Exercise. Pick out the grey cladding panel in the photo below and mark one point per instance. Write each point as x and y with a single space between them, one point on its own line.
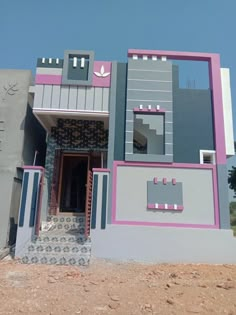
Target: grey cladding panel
149 75
120 111
56 93
146 90
193 124
150 95
140 64
72 98
47 96
162 194
149 85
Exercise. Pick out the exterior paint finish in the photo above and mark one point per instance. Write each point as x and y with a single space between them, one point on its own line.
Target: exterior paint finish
72 98
131 196
100 200
149 97
215 83
222 175
161 193
18 142
164 245
192 111
28 206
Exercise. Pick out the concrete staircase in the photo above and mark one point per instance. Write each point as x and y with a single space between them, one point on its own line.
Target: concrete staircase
63 244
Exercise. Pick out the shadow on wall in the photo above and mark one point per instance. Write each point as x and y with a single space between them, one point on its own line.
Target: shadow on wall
34 140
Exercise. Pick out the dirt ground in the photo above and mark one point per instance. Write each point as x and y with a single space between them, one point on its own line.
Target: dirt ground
112 288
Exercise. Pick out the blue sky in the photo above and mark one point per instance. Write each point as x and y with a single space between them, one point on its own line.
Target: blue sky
31 29
45 28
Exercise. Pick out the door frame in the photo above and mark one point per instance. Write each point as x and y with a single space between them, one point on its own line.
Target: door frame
63 155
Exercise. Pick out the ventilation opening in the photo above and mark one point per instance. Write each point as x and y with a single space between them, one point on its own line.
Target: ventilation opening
207 157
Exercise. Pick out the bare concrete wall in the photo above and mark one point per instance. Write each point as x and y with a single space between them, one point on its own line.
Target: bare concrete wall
14 85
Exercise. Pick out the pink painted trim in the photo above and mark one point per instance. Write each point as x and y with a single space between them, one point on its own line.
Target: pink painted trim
164 181
162 207
177 55
101 81
215 82
53 79
173 181
146 110
31 167
155 180
175 225
100 170
174 165
171 165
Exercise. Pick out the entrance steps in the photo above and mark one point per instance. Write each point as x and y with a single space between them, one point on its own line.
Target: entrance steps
64 244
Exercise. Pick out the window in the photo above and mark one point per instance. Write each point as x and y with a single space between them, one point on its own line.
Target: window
148 133
207 157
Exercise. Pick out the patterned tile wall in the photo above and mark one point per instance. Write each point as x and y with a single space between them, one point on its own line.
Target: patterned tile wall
74 135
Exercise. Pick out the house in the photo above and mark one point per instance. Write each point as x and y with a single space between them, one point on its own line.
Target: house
135 164
21 136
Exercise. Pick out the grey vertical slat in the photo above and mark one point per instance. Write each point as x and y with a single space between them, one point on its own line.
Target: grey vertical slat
81 98
23 199
38 99
33 208
98 99
73 97
47 96
64 97
104 202
56 92
105 104
89 98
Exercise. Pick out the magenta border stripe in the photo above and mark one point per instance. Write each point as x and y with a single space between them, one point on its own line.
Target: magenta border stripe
171 165
177 55
100 170
215 81
31 167
159 165
175 225
48 79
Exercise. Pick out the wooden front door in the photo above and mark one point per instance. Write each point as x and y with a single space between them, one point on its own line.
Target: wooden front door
73 183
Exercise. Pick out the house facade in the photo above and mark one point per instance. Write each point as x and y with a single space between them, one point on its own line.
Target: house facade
137 157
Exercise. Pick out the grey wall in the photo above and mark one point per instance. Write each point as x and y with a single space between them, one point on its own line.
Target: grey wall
131 198
120 105
13 108
71 98
18 130
193 123
34 140
164 245
149 82
26 232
